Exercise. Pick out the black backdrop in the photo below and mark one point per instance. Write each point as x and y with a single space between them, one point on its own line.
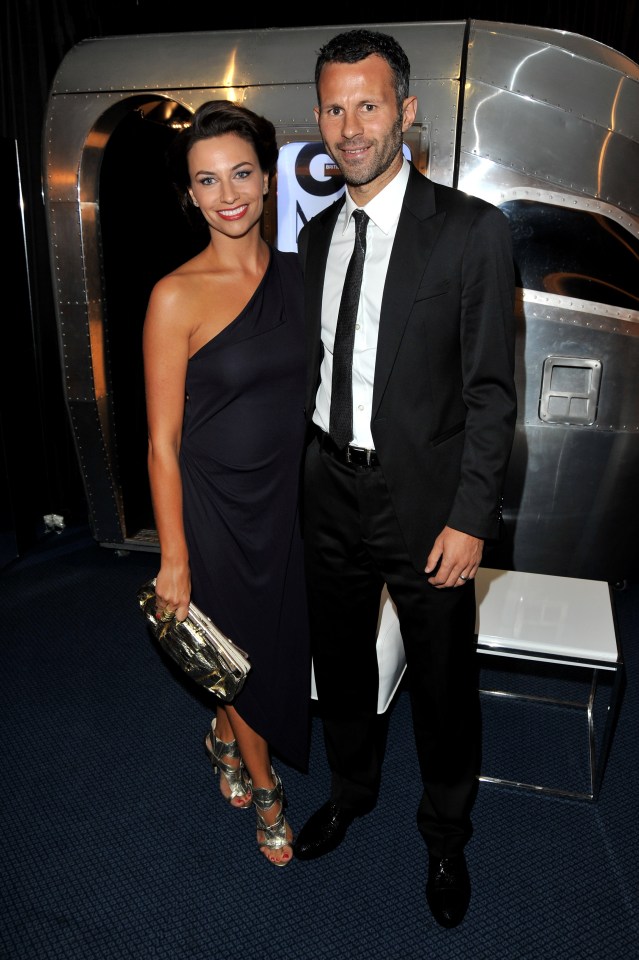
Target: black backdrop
39 473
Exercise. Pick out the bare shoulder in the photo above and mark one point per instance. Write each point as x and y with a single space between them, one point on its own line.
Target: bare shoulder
173 296
178 283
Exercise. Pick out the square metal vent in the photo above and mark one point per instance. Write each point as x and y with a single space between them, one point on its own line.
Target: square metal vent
570 390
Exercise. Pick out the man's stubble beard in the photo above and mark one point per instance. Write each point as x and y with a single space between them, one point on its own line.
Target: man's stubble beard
391 146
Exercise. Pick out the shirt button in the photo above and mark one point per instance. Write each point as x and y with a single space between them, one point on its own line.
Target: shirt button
360 406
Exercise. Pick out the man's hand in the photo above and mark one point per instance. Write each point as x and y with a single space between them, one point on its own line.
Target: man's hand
458 555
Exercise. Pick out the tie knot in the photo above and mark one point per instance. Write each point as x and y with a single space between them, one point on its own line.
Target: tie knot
361 222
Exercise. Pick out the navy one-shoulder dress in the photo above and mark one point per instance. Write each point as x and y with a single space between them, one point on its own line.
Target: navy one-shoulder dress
240 459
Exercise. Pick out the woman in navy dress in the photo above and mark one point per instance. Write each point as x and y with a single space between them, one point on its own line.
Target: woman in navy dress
224 374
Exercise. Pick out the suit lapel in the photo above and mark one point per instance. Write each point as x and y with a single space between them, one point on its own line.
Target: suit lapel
417 231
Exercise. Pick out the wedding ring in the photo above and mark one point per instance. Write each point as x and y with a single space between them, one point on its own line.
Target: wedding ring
167 615
462 577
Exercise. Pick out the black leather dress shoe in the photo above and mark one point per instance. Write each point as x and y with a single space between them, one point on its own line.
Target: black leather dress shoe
323 831
448 889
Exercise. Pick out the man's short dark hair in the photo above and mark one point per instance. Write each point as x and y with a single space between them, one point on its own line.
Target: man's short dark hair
355 45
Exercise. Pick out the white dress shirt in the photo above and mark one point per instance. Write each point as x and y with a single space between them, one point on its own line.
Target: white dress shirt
383 211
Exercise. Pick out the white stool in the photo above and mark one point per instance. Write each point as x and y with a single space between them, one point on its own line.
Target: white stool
532 617
553 620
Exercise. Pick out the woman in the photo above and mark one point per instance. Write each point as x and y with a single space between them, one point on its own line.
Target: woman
224 374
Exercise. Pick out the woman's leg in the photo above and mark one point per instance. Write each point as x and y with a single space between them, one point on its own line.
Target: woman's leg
224 754
275 844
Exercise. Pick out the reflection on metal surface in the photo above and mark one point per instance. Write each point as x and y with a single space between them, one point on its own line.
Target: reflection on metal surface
573 252
608 139
236 94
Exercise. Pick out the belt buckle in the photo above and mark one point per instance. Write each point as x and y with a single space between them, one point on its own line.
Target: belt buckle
367 451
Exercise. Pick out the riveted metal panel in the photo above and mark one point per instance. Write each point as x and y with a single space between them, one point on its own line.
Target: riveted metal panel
545 142
573 43
544 72
241 58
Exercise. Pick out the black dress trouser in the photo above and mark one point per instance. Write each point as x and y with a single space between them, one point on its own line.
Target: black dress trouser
353 546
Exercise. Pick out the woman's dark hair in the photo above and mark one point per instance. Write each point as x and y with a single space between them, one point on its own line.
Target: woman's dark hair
355 45
213 119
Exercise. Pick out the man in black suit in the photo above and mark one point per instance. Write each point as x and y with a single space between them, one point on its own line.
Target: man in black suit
403 486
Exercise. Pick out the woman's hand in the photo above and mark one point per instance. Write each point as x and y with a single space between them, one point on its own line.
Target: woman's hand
172 593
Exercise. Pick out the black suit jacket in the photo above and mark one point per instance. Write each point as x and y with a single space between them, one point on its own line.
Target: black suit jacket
444 400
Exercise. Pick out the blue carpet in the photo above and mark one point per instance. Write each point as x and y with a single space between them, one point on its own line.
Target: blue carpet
116 843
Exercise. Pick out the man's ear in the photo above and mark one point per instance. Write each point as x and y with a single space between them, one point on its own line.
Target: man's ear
316 111
409 112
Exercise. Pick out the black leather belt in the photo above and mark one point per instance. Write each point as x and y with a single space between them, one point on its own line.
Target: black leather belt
350 456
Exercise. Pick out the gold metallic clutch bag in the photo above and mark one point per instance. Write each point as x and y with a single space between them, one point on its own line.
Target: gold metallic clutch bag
198 647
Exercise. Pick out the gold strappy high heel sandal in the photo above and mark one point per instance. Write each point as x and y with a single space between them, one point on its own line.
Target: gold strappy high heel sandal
234 774
274 834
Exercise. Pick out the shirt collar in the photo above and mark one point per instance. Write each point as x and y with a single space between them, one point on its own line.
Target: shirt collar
384 209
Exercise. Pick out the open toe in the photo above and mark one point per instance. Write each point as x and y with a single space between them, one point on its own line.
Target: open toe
274 839
235 785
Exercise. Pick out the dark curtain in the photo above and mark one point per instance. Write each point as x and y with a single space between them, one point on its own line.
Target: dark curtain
39 473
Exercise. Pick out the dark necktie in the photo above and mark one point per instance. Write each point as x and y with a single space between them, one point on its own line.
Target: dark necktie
341 420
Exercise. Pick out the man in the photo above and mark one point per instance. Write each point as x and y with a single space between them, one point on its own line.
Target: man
404 485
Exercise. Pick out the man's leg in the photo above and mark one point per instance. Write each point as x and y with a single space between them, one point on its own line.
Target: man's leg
437 628
343 595
438 632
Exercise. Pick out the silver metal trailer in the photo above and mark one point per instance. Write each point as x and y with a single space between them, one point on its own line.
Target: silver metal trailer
542 123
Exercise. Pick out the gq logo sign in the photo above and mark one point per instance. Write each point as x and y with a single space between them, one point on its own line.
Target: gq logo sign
307 181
